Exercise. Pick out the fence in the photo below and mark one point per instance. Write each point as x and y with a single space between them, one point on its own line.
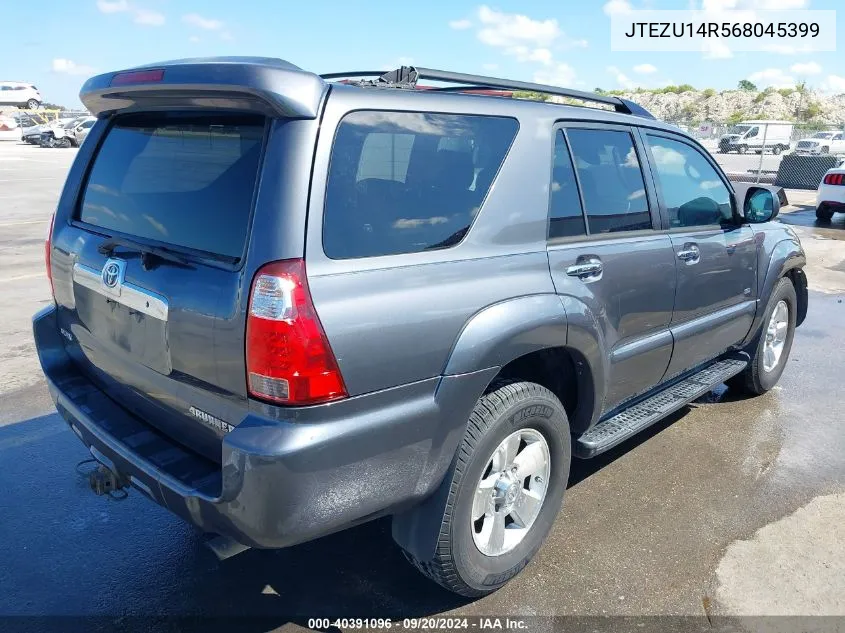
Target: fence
789 155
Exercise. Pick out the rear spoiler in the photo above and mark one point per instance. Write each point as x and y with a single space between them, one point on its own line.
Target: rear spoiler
271 86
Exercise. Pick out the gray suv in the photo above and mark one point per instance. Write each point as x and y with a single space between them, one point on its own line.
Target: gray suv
287 304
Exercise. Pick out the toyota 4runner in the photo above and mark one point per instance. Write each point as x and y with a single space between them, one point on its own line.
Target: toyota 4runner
286 304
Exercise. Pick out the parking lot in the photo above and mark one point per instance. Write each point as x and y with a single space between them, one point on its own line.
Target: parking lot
731 506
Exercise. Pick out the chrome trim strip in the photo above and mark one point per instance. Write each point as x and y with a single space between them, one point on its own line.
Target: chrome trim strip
132 296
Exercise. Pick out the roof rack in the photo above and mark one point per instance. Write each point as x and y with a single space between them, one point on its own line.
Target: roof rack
406 77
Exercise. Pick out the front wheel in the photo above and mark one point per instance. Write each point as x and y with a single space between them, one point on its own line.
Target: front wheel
771 350
777 149
742 149
32 104
506 487
825 150
65 142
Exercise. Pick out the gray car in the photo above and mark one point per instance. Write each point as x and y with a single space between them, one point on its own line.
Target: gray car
286 304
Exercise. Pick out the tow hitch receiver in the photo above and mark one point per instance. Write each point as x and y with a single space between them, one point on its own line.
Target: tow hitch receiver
104 481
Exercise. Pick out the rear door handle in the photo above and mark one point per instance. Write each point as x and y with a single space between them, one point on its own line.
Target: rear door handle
689 254
588 269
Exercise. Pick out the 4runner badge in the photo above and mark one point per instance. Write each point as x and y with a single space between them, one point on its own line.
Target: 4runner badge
210 420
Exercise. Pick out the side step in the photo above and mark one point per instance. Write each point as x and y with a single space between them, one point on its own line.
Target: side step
614 430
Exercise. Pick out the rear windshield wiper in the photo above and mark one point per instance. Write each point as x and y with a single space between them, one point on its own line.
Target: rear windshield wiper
146 250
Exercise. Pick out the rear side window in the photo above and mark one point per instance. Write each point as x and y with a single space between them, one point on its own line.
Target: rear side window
404 182
566 218
186 181
611 180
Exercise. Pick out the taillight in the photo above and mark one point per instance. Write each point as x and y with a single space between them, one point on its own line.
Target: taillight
48 244
834 179
288 357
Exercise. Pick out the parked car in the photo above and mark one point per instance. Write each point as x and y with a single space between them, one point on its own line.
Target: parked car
32 134
9 129
830 142
830 198
20 94
71 134
285 306
750 135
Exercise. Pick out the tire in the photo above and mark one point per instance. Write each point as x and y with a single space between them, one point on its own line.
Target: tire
824 214
64 143
742 149
777 149
32 104
458 563
756 379
825 150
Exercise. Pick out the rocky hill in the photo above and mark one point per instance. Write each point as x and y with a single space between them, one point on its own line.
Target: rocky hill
683 104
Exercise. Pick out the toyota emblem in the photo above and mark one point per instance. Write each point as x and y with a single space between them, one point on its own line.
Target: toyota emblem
111 274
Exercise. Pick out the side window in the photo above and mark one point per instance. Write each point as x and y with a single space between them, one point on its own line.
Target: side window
752 132
692 190
838 137
88 125
404 182
612 183
566 219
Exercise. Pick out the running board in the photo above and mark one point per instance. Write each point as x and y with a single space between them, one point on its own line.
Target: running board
614 430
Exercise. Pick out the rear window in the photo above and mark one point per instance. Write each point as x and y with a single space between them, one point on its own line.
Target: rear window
182 180
404 182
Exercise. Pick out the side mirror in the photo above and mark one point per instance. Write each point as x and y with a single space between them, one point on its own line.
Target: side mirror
761 205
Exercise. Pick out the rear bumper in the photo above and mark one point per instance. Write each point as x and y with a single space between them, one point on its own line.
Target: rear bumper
286 476
831 194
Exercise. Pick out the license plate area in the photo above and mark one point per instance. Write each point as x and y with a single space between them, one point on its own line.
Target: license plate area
131 319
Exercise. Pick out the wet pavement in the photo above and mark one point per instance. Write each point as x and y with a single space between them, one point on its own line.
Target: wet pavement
642 530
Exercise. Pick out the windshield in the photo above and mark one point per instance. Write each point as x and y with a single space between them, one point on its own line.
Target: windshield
739 129
823 135
72 124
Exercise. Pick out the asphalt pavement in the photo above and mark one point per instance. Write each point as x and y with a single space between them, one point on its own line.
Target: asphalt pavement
731 506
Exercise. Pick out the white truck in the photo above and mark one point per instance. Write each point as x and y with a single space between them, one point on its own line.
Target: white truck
829 142
757 136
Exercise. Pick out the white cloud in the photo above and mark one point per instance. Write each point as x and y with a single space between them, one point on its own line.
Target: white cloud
834 84
226 36
524 54
460 25
490 66
774 77
512 29
810 68
617 6
645 69
209 24
559 74
194 39
758 5
621 78
112 6
68 67
148 18
714 49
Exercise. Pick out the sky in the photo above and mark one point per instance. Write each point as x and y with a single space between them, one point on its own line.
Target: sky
58 44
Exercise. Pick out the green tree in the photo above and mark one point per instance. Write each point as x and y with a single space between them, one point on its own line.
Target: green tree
736 117
709 92
744 84
533 96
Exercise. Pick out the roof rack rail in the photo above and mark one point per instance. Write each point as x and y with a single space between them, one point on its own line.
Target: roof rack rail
407 76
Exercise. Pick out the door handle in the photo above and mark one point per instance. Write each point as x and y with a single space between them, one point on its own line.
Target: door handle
689 254
587 269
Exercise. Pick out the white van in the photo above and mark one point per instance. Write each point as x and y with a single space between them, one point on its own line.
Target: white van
748 136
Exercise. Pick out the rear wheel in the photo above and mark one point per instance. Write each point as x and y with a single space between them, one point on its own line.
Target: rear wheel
777 149
32 104
65 142
771 351
825 150
742 149
824 213
507 485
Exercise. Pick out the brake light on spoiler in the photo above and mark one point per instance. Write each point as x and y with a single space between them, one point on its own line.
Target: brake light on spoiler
137 77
